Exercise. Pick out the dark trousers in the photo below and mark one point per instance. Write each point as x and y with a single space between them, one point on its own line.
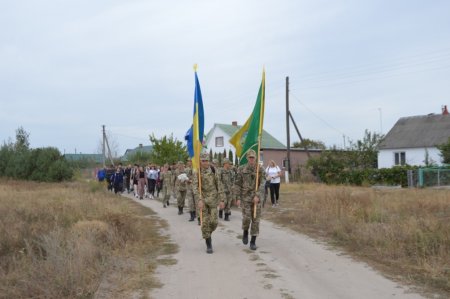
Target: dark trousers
274 192
151 186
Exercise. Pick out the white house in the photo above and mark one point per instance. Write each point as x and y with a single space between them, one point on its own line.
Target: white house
218 137
413 140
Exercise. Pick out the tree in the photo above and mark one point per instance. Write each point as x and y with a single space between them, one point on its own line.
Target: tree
224 155
445 151
22 139
167 150
361 155
309 144
18 161
140 157
366 150
230 156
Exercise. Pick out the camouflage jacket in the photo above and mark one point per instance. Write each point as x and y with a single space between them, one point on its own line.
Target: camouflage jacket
179 185
227 179
167 178
245 183
211 190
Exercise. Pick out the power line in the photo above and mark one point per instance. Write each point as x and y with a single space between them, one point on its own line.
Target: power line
317 116
362 71
369 66
371 79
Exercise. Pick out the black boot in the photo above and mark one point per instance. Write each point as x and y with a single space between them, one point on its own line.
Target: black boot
253 243
227 217
180 210
198 220
192 216
220 214
209 245
245 237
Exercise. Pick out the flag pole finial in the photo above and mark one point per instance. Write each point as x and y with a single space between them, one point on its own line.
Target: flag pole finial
195 67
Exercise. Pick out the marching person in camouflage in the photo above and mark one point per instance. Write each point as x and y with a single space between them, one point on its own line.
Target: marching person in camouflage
248 196
181 185
226 176
166 177
208 197
174 170
189 193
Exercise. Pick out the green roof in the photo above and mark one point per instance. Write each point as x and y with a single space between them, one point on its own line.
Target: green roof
130 152
97 158
267 140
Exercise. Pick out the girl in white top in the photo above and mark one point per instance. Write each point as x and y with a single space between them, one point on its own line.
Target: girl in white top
273 172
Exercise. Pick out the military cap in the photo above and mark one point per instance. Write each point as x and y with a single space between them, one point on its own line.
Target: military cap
215 161
251 153
180 163
204 156
225 160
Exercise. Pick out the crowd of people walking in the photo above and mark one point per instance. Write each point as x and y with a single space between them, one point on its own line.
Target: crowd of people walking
209 195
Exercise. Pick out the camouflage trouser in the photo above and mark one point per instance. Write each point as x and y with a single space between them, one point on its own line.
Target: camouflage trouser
166 193
209 221
181 197
247 217
228 201
191 200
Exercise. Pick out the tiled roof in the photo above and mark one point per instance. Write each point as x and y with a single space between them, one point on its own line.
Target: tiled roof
267 140
418 131
130 152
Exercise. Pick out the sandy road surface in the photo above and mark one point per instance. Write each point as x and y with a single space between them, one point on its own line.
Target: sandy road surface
285 265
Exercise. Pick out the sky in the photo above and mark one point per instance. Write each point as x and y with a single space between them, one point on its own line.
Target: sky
69 67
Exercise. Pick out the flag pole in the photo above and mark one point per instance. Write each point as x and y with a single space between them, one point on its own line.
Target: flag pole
261 117
257 175
200 187
197 157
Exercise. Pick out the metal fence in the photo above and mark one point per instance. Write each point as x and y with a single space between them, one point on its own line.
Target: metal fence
429 177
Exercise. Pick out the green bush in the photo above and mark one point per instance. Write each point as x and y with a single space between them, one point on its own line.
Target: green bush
18 161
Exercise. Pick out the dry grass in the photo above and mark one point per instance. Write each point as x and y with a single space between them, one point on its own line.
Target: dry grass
74 240
403 233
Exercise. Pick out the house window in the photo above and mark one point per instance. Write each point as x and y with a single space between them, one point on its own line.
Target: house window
219 141
400 158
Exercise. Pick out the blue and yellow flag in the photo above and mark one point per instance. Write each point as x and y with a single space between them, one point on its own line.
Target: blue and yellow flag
196 132
249 135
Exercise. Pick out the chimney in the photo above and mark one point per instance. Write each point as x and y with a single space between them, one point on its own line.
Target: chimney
140 145
234 123
444 110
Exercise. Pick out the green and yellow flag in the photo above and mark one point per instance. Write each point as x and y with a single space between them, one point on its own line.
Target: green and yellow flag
249 135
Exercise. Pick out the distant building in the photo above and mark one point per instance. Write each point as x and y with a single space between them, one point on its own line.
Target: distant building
218 138
90 158
130 152
414 139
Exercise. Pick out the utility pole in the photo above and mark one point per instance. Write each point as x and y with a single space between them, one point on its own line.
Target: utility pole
288 136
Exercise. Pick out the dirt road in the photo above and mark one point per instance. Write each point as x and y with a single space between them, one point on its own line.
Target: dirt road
285 265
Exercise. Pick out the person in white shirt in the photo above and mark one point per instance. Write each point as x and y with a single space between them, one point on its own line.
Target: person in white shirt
273 173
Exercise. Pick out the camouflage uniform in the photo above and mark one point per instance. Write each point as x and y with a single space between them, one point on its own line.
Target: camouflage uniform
211 195
181 189
189 193
227 179
166 176
245 191
174 171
